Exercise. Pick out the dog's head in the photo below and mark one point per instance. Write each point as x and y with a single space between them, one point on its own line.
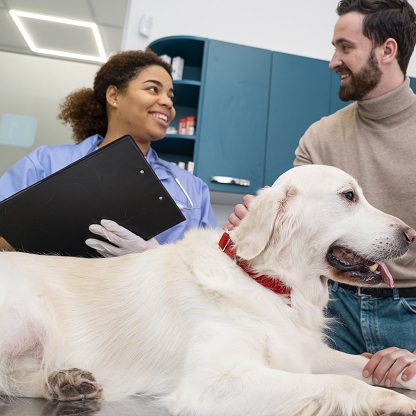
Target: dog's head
315 221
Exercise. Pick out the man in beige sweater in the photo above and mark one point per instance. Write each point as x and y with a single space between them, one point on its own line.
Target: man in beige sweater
374 140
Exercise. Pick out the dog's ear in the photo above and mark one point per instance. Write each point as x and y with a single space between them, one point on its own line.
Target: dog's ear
267 213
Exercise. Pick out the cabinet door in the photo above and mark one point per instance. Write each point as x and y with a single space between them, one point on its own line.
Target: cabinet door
233 117
299 96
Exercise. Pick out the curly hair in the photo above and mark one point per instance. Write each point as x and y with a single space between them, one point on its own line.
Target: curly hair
386 19
86 109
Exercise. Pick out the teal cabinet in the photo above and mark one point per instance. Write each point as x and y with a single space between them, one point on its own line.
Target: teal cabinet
299 95
226 87
232 142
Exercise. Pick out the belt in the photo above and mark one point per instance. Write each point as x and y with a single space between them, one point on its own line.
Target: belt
405 292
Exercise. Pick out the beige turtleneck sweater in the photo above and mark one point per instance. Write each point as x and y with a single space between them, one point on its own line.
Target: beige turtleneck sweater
375 142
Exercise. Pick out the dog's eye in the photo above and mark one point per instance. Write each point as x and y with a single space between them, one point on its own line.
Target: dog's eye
349 195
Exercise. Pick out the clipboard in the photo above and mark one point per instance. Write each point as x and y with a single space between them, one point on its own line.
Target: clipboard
114 182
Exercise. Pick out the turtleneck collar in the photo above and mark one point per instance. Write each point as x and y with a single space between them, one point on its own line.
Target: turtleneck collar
387 105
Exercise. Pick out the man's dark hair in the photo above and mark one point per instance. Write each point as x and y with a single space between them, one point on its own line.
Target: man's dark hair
386 19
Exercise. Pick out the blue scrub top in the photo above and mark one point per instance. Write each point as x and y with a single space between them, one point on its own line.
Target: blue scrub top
189 192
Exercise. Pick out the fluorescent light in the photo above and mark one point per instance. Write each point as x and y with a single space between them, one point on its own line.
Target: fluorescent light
17 14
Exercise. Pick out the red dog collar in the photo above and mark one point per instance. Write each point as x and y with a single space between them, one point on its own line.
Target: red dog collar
227 246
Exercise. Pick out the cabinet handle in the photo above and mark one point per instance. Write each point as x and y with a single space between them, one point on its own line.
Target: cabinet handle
230 181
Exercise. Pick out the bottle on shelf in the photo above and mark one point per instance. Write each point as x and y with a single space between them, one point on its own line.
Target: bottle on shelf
190 125
182 126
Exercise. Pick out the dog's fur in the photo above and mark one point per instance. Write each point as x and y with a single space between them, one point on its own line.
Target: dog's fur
184 323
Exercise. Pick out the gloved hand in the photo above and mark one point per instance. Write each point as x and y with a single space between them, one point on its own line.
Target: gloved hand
125 241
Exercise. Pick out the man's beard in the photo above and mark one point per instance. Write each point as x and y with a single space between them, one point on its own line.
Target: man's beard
363 82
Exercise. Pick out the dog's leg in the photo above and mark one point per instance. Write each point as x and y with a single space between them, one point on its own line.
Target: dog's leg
73 384
269 392
224 376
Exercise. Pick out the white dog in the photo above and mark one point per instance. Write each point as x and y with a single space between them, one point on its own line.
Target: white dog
201 326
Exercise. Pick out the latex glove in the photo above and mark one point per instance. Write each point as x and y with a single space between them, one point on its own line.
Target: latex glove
123 241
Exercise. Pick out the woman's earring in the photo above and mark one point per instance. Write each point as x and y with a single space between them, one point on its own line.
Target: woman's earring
115 105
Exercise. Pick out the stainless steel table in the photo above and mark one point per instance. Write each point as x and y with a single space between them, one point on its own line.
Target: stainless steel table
137 406
39 407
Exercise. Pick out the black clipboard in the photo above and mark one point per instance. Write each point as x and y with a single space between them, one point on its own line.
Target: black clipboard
114 182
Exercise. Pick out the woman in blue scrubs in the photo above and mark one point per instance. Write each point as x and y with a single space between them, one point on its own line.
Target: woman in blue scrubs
132 94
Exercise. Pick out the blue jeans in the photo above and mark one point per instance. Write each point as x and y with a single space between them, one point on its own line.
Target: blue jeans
370 324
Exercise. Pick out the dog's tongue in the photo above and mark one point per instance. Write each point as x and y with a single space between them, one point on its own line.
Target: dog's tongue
385 274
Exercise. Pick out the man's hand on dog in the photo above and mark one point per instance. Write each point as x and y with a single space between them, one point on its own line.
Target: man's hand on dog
388 364
240 211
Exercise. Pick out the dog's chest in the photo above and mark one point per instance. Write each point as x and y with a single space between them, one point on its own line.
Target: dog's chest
267 325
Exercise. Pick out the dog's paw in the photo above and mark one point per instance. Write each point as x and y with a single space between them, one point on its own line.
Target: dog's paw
395 404
73 384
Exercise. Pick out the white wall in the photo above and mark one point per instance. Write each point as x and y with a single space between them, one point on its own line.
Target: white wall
35 86
301 27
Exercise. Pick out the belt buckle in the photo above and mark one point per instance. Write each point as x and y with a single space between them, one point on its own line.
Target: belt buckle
359 293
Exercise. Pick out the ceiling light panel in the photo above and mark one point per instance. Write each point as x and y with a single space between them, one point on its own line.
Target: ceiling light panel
38 29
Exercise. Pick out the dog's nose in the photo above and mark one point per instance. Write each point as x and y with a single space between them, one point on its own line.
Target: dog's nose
410 234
